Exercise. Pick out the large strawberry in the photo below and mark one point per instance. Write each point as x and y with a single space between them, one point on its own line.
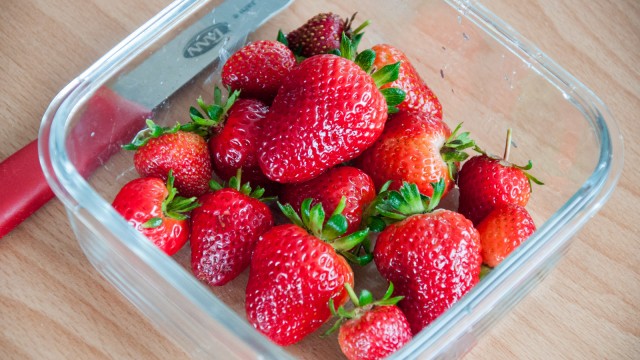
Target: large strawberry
233 128
419 96
502 231
161 149
295 270
372 330
330 187
153 208
321 34
431 256
224 231
418 148
257 69
327 111
486 181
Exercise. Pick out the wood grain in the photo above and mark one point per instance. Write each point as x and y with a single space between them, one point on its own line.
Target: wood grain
54 305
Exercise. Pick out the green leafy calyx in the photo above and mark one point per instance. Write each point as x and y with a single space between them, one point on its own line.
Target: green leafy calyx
391 206
453 151
210 115
312 219
361 304
282 38
152 131
173 206
235 182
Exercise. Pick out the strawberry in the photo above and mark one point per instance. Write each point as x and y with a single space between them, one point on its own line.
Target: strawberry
327 111
418 148
233 128
321 34
235 145
153 208
257 69
373 330
503 230
431 256
224 231
328 190
488 180
160 149
295 270
419 96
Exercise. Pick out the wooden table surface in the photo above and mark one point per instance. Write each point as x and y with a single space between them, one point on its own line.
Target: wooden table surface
53 304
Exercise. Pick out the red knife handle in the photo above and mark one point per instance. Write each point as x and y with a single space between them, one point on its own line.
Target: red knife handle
112 119
24 188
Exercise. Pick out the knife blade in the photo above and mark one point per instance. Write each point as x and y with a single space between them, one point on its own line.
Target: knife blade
194 49
131 98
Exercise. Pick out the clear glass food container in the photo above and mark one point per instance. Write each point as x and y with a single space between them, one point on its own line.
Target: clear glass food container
485 75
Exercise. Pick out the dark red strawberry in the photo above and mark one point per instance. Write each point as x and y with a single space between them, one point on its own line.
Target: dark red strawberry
159 150
372 330
327 111
418 148
330 187
224 231
236 144
295 270
321 34
431 256
502 231
233 128
419 96
257 69
486 181
154 209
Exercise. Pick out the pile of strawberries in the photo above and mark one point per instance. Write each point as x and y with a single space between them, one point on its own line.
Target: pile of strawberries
351 147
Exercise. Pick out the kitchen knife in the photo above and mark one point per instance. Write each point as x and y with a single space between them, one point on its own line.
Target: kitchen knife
131 99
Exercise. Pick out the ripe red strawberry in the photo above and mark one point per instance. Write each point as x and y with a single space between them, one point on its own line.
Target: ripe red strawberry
419 96
327 111
486 181
373 330
233 128
431 256
257 69
153 208
224 231
236 144
502 231
328 189
321 34
295 270
159 150
417 148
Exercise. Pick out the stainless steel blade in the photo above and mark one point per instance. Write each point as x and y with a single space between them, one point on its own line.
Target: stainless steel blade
185 56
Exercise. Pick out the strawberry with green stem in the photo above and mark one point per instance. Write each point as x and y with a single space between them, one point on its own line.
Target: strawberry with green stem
416 147
296 269
225 229
431 255
486 181
154 208
327 111
321 34
233 128
331 188
372 330
159 150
